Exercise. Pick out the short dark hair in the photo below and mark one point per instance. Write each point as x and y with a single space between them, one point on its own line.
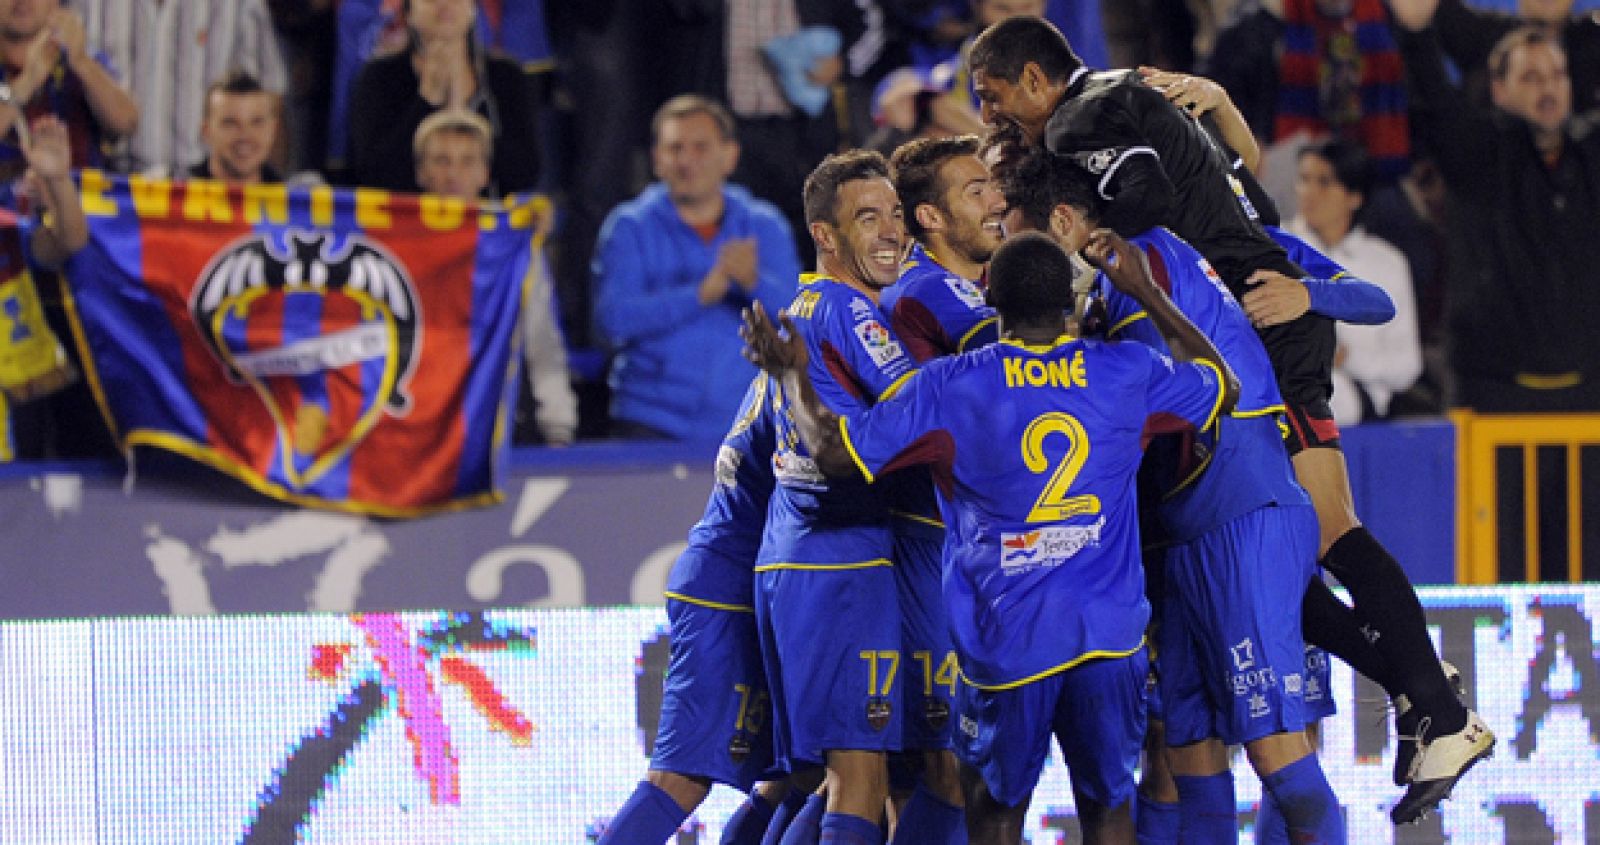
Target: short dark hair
1004 49
1352 168
1038 180
1030 278
234 81
822 186
1516 39
914 169
686 105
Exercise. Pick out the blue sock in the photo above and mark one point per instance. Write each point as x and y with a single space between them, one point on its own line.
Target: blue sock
806 828
792 804
1309 807
649 816
748 823
844 829
1205 805
927 819
1157 822
1271 829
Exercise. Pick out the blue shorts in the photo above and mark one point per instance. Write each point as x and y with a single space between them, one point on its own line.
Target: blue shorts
831 642
931 670
1095 710
1232 655
1319 685
716 716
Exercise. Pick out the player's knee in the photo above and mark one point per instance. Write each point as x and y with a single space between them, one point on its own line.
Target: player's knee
1271 753
687 790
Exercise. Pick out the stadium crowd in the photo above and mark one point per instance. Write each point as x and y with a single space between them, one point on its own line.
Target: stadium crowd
1361 109
1323 211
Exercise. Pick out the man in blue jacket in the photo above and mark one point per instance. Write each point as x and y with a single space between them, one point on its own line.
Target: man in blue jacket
673 267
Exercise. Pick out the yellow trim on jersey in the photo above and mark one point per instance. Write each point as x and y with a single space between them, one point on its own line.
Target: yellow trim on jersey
925 520
863 564
1222 390
1070 664
714 605
1061 340
1259 412
1190 478
744 421
961 345
844 434
1538 381
1127 321
894 387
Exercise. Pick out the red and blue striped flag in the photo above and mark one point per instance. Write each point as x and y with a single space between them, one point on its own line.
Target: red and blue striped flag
350 349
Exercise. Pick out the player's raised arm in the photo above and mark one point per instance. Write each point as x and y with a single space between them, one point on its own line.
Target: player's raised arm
783 356
1125 266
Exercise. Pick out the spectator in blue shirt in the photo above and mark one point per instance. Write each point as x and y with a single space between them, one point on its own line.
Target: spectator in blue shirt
674 266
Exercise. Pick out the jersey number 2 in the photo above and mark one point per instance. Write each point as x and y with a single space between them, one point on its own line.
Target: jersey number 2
1054 505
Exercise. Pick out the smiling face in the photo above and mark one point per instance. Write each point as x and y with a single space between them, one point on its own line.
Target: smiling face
239 129
864 244
971 207
1025 104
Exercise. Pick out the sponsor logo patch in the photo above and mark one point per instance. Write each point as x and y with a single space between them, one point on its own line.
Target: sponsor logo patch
881 346
965 291
1045 547
727 471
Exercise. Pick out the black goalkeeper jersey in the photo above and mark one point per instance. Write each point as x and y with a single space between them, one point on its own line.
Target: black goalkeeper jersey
1157 166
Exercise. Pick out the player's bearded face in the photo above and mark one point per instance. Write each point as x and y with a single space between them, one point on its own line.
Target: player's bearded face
870 235
974 206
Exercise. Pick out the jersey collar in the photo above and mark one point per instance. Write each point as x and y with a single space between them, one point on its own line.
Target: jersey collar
1039 349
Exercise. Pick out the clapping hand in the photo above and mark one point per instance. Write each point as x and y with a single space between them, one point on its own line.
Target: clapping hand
769 349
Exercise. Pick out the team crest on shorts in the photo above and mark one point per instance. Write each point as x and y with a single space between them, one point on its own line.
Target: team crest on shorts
936 712
878 711
739 748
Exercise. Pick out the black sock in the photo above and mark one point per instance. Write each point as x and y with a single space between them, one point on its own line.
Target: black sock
1388 609
1331 626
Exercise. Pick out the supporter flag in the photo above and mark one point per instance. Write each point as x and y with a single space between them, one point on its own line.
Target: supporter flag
350 349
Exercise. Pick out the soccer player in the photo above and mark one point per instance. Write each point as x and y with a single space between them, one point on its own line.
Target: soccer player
952 212
1242 537
1034 442
716 715
826 596
1154 164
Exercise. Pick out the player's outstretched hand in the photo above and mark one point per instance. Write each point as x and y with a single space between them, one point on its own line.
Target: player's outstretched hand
1274 298
1122 262
1194 94
767 347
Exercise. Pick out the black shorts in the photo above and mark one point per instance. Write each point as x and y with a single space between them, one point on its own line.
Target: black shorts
1310 427
1301 350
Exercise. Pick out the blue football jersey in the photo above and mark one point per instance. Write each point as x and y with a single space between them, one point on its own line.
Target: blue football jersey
1035 450
1308 257
1212 476
854 359
935 312
716 568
